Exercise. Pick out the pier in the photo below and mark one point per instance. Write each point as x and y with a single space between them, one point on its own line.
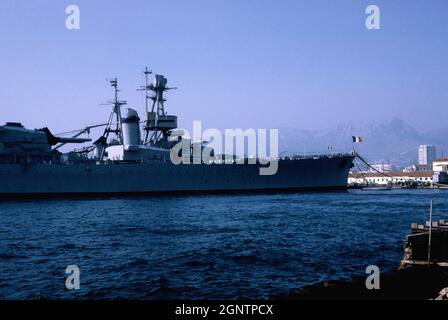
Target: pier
422 273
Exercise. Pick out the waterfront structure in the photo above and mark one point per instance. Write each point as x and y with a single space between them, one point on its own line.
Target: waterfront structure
375 178
440 167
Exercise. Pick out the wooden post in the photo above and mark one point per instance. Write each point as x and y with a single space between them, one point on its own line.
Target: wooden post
430 232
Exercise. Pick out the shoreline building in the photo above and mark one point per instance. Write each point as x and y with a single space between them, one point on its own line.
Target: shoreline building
426 157
429 171
440 167
392 178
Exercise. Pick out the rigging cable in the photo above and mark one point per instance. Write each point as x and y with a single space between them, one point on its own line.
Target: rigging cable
371 167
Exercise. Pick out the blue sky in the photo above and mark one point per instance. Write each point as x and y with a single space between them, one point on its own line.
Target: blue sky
237 63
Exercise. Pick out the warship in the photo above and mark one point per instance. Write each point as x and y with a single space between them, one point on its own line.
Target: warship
132 157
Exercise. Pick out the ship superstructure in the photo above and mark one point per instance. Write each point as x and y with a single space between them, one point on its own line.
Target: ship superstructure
126 142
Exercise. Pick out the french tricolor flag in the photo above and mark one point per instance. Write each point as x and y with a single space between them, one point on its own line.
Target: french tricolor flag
356 139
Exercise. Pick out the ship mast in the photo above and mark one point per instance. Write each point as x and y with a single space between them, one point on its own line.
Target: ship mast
158 99
115 115
146 87
157 113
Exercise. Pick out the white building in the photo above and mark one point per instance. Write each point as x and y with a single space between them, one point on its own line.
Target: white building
370 178
440 165
440 171
426 155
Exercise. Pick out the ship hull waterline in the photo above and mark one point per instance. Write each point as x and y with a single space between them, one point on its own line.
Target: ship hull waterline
164 178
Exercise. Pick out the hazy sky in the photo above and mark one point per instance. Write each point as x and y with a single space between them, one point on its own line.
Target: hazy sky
237 63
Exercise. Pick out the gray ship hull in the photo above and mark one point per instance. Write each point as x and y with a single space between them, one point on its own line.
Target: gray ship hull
51 180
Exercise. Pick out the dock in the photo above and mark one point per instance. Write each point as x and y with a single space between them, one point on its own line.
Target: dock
422 273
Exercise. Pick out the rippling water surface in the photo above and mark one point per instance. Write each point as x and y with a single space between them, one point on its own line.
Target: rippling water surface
220 246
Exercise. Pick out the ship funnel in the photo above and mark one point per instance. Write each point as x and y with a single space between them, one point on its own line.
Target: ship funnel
131 128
